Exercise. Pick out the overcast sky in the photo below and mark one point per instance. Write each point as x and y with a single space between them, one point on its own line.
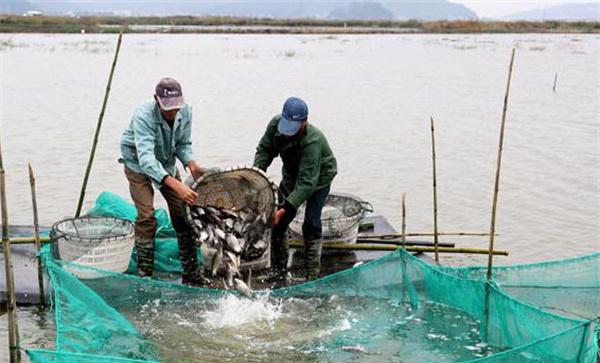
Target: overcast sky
499 8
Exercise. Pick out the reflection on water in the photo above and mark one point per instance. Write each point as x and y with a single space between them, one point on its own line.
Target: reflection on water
37 329
331 329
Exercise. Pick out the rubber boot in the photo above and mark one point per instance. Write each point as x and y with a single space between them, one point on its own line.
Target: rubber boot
312 258
145 256
280 254
191 274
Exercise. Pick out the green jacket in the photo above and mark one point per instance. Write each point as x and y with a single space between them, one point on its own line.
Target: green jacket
308 162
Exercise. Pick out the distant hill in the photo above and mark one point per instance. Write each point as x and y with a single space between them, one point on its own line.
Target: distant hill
400 9
429 10
404 9
14 6
581 12
361 11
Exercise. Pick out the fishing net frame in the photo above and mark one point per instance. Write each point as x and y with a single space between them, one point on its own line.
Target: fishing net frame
235 189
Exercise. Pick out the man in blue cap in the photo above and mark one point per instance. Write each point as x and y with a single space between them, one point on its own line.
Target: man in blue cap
158 134
308 170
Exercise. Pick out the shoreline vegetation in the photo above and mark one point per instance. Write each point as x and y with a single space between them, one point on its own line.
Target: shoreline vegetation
237 25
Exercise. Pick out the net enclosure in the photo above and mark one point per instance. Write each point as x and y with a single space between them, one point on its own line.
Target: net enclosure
395 308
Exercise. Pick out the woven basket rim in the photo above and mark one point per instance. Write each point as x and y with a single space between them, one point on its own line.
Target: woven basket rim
63 234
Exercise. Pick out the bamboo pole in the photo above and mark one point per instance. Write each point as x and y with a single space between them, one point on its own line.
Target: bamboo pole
555 78
424 234
398 242
45 239
374 247
98 126
36 230
486 311
13 329
435 212
27 240
498 165
404 218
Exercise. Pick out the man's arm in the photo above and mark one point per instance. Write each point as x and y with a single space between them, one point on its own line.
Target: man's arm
143 134
265 151
183 191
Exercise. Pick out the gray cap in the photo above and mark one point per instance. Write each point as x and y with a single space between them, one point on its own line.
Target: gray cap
169 95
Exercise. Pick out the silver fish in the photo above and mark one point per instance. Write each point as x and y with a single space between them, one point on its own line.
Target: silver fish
247 214
229 213
216 261
238 226
211 234
233 243
198 211
229 278
264 218
260 244
212 211
242 242
249 279
233 263
203 236
242 288
219 233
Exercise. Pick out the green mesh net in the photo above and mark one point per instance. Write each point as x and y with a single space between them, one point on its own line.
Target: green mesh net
39 355
568 287
396 298
397 308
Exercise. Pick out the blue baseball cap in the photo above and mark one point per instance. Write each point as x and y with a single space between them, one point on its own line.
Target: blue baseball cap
294 112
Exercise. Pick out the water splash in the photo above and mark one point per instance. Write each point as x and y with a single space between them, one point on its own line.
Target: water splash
232 310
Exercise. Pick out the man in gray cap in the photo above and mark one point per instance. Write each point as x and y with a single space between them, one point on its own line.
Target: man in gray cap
158 134
307 172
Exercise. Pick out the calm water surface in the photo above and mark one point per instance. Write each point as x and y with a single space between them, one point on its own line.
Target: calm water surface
371 95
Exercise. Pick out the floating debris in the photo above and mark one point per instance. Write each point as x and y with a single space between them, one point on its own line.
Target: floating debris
354 349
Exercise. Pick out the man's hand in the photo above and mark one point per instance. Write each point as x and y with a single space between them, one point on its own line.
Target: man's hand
195 169
279 213
183 191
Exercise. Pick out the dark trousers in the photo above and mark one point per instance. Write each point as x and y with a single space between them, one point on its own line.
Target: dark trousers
311 228
142 193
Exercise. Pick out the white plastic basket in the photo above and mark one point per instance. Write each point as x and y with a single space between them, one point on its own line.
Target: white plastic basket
340 218
104 243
